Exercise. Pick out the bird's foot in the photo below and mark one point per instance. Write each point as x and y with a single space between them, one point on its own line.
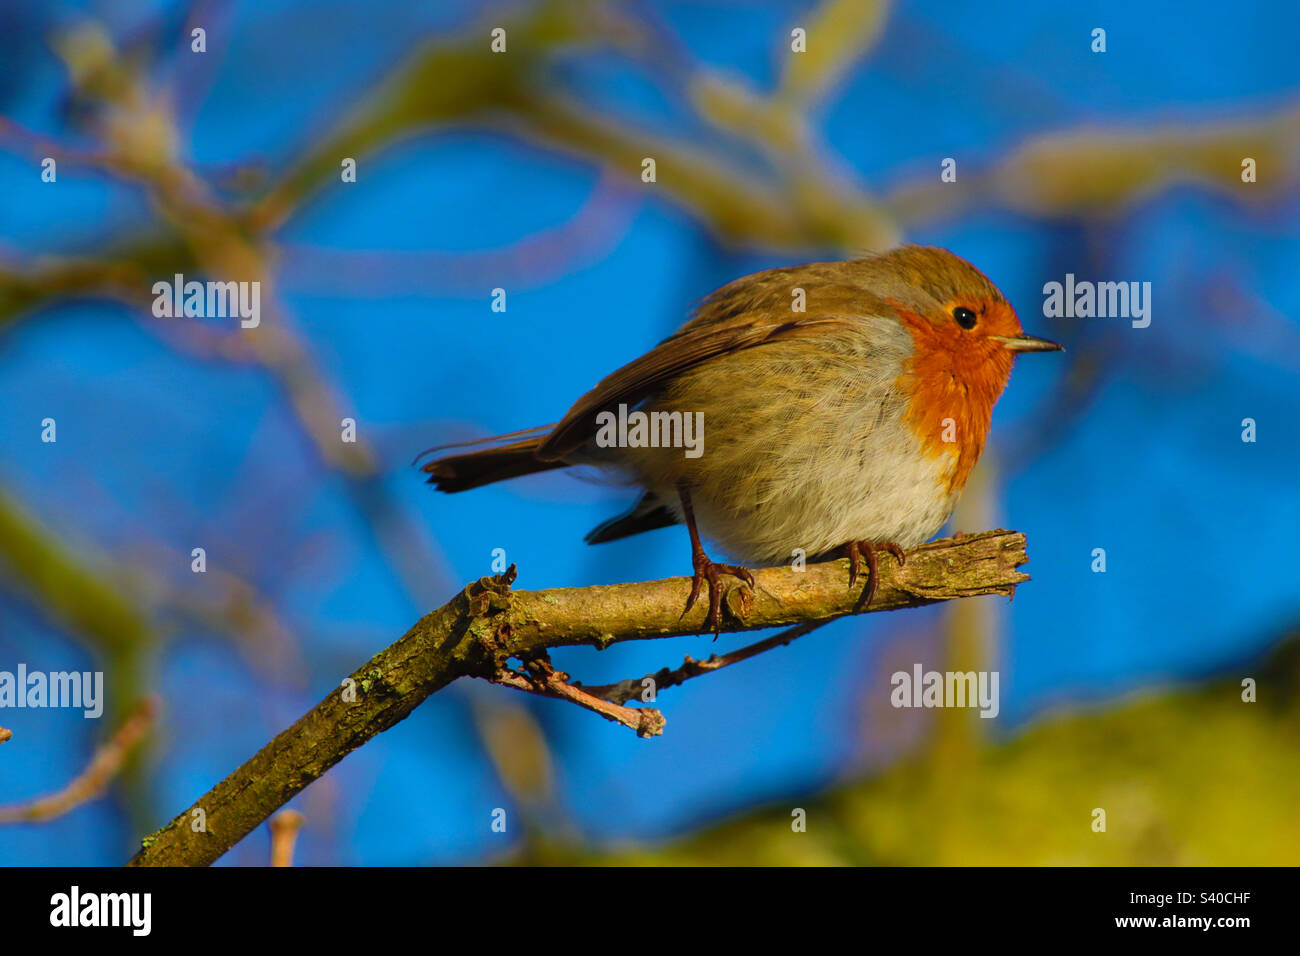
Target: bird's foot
706 570
857 550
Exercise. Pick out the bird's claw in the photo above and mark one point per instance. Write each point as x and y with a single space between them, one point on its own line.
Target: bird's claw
857 550
706 570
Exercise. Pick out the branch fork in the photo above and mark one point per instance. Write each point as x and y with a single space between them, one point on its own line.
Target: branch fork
540 677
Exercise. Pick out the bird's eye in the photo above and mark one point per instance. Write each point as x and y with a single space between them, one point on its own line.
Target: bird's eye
964 316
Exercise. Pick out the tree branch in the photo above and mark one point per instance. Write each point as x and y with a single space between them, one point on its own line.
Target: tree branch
487 624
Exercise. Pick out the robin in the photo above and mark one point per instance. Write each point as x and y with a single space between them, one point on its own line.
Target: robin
835 407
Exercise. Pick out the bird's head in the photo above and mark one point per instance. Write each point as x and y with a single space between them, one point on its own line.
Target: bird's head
965 336
956 315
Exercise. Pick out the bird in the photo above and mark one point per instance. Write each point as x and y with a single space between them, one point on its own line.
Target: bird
831 408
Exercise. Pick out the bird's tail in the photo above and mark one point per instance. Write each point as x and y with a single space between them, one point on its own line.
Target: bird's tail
483 467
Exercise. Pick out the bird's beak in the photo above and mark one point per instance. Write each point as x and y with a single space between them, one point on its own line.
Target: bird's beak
1027 343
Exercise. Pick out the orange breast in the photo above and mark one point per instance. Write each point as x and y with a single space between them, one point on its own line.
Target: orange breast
952 380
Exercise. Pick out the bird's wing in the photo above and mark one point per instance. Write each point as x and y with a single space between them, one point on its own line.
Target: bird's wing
646 515
688 348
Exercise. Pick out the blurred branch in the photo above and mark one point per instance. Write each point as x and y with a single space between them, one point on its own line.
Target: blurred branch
442 83
806 204
737 205
284 828
199 233
487 624
226 603
97 608
840 33
87 604
597 226
1087 172
105 764
460 83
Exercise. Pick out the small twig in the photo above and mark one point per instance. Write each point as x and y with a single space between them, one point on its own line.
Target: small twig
91 782
543 679
284 827
664 678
